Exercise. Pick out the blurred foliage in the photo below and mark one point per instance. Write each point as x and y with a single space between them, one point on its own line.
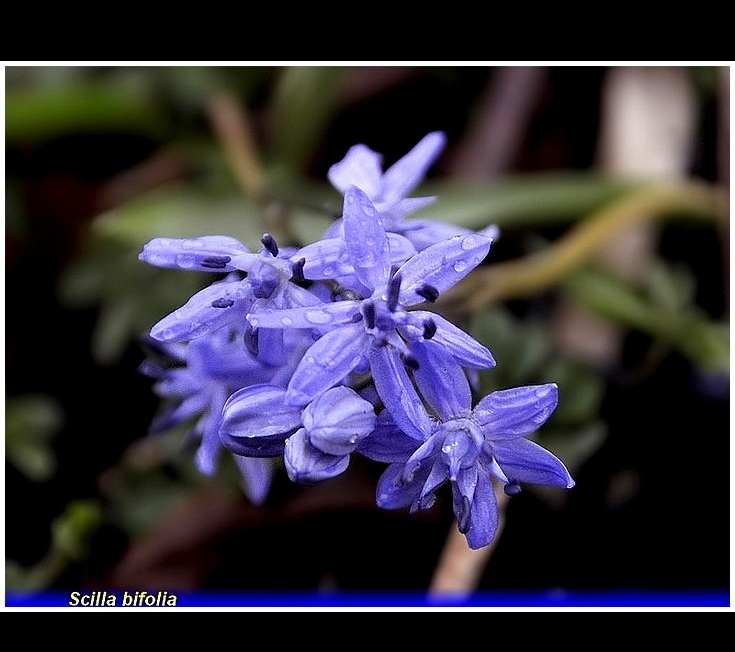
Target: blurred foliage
31 422
262 186
71 535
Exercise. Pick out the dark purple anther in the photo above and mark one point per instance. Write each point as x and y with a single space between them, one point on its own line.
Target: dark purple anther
394 288
428 292
368 311
215 262
269 242
297 271
429 329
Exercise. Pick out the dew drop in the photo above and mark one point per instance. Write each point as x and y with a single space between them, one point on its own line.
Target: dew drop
318 316
287 321
460 266
328 271
469 242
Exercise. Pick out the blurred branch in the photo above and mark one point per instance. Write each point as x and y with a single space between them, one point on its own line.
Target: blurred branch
234 131
494 137
460 568
541 271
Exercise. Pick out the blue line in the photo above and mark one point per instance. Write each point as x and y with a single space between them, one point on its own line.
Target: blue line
555 598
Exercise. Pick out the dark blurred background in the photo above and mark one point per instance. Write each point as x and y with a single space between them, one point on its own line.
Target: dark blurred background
92 501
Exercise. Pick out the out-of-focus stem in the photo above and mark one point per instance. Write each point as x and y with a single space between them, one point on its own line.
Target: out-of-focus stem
541 271
460 568
233 129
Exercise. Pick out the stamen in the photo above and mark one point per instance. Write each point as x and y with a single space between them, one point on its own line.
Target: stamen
368 311
429 329
222 303
394 287
215 262
297 271
428 292
269 242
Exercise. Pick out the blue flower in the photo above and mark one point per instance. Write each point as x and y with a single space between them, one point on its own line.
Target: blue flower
316 441
362 167
378 329
469 449
195 380
250 278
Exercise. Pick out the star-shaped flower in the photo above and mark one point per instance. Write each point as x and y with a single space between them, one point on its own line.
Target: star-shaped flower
467 448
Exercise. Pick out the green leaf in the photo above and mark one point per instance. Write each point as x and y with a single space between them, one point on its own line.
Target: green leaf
303 104
534 199
49 111
181 211
686 327
31 421
71 532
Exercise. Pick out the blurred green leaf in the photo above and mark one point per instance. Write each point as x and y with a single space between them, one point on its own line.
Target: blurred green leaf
31 421
44 112
581 391
302 105
181 211
524 200
686 327
72 530
520 348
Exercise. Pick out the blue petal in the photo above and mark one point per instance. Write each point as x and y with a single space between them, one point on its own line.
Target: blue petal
338 420
326 258
523 460
256 477
327 314
213 253
211 308
513 413
387 443
394 493
208 452
424 233
483 515
441 381
398 393
327 362
465 350
361 167
306 464
257 413
366 239
406 173
442 265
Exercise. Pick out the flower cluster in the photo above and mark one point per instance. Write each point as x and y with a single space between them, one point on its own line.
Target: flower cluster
317 353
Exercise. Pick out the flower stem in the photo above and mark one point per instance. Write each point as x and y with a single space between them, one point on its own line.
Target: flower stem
460 568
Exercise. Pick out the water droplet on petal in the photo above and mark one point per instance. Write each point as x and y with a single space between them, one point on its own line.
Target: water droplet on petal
328 271
460 266
287 321
469 242
318 316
